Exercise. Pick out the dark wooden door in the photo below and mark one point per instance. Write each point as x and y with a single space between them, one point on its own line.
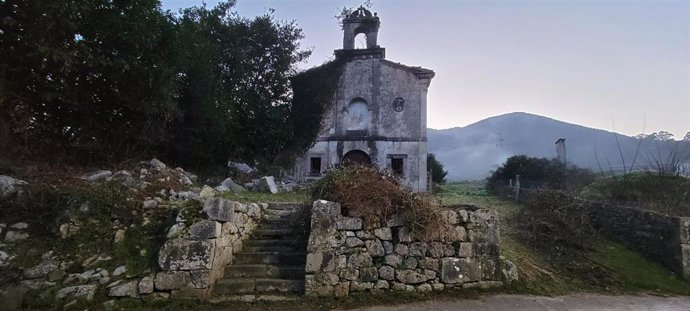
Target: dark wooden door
356 157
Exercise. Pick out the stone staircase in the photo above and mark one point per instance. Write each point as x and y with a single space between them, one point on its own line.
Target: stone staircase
271 263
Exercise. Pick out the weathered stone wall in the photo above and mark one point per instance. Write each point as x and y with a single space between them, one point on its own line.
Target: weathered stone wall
344 256
96 249
393 122
662 238
195 255
199 247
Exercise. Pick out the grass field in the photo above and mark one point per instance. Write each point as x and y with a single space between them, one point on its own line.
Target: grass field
626 271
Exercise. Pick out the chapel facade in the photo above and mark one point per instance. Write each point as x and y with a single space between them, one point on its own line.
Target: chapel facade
378 113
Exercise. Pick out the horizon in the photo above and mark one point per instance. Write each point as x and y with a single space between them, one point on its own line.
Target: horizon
678 138
611 65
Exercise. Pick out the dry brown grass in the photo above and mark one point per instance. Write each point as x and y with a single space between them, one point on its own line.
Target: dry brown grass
377 195
555 219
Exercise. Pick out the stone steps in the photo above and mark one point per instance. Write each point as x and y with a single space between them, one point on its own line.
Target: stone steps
273 227
270 242
246 286
276 224
278 212
285 205
265 271
274 258
253 298
275 217
271 263
275 248
271 234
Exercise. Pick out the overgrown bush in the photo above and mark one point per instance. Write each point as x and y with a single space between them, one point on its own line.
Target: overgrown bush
555 219
539 173
662 193
377 195
557 225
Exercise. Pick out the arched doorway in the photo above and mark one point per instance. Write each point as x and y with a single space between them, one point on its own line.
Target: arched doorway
356 157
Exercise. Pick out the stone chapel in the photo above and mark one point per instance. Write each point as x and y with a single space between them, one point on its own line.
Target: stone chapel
378 113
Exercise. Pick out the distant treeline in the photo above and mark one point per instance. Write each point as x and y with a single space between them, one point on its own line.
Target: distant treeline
102 80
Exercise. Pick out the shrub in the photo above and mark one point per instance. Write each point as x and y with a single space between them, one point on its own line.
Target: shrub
539 173
376 196
437 169
662 193
555 220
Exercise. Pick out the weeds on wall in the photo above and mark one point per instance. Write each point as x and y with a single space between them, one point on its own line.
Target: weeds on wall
376 195
77 220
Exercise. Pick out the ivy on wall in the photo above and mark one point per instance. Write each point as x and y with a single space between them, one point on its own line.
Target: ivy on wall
313 92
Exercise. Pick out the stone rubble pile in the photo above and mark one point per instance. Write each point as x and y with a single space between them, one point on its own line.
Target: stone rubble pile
243 168
10 187
16 232
272 185
153 171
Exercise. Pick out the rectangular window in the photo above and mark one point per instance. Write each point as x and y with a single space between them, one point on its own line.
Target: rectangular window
397 166
315 167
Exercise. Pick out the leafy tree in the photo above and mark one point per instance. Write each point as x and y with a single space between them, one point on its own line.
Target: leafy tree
92 75
235 92
662 135
106 79
437 169
641 136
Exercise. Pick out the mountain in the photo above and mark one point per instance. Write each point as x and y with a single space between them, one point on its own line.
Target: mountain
471 152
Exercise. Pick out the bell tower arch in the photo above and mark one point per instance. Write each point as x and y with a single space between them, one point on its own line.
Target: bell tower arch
360 21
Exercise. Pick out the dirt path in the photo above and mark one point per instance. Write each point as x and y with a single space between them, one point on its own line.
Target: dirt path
583 302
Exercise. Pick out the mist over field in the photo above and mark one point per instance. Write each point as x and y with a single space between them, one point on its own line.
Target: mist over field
471 152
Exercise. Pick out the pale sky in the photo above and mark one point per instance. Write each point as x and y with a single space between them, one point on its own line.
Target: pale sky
594 63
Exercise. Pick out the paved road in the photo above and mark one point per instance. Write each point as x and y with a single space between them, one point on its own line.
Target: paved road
583 302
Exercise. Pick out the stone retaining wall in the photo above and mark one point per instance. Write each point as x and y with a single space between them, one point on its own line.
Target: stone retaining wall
196 254
344 256
199 246
662 238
